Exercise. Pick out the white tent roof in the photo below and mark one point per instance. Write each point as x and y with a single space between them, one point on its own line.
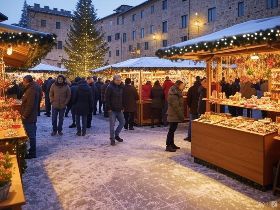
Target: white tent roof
153 62
251 26
46 67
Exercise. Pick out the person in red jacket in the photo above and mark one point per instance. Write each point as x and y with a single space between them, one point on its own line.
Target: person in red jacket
166 86
146 90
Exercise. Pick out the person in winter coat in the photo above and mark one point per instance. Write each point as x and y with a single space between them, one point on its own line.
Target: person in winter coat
157 96
83 103
40 98
98 100
73 89
130 97
175 113
60 95
46 89
29 113
192 101
91 83
166 87
202 91
13 91
103 91
146 90
114 103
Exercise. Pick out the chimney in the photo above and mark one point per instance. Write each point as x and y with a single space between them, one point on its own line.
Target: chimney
37 6
46 7
62 10
55 9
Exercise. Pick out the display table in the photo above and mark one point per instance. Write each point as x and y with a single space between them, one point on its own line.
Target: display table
12 144
16 195
247 154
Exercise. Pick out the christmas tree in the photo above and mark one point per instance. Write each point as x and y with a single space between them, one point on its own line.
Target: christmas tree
85 46
24 17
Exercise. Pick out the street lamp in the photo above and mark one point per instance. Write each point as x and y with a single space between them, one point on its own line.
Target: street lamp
197 22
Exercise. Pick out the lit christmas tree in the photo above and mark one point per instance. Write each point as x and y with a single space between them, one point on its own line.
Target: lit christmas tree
85 46
24 17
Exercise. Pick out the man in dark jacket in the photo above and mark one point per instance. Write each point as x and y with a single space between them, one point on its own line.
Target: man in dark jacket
90 82
114 103
73 89
29 113
46 89
192 101
130 97
98 100
83 103
103 91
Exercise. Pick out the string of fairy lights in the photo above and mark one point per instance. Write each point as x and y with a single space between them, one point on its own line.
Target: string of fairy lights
260 37
41 43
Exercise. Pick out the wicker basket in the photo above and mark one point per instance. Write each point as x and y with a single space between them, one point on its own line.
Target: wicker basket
4 191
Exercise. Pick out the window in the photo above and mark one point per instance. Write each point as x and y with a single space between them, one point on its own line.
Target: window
142 14
124 37
43 23
133 17
241 9
138 46
110 54
164 43
152 9
130 48
109 38
117 52
146 45
57 25
118 20
142 33
117 36
184 21
164 27
152 29
133 35
184 38
59 45
271 4
211 14
122 19
164 5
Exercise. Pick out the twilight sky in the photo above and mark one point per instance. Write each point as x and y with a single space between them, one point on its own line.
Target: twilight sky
12 8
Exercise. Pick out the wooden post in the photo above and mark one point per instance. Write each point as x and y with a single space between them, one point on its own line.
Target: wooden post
2 71
218 78
140 101
208 75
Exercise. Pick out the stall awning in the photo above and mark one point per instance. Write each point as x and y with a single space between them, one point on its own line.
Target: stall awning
46 68
152 63
249 36
28 46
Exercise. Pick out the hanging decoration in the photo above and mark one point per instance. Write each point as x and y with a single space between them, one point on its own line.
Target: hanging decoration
260 37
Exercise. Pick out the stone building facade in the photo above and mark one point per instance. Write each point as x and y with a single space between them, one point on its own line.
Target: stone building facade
139 31
51 21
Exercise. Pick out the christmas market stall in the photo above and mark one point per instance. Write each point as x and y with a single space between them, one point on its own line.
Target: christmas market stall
144 69
20 48
245 147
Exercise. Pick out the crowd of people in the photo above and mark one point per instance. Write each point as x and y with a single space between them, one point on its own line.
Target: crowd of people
85 97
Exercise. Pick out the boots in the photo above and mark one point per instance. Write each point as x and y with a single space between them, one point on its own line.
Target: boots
170 149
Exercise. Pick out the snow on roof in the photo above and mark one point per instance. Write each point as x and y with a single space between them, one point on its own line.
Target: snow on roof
251 26
19 29
153 62
46 67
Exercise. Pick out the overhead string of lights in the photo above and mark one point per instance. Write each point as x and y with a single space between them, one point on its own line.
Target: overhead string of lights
268 36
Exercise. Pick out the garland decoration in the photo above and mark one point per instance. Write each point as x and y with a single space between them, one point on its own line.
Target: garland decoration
41 44
260 37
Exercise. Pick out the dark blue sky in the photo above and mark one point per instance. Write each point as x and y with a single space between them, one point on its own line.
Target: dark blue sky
12 8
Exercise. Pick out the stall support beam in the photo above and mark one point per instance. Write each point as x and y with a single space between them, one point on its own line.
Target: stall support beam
209 78
218 79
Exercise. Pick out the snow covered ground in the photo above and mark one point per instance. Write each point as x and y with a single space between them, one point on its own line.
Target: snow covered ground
87 173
